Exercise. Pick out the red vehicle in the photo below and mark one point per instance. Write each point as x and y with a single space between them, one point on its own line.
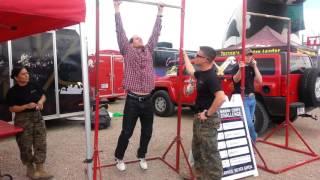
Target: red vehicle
271 95
111 69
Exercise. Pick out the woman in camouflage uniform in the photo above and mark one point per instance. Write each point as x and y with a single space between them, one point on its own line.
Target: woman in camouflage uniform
26 100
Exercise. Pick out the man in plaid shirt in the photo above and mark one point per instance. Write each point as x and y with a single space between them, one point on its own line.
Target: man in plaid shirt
139 83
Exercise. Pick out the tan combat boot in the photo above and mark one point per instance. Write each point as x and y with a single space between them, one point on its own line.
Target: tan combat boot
30 170
40 173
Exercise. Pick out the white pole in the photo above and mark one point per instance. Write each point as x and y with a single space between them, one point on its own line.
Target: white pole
56 78
86 97
152 3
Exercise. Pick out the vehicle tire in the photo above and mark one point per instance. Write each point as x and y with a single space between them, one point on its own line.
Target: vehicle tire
261 119
162 104
309 89
112 99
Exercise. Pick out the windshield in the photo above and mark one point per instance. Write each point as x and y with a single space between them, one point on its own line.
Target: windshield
297 63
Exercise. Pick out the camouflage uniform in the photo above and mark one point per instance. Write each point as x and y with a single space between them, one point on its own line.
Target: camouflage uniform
207 161
33 138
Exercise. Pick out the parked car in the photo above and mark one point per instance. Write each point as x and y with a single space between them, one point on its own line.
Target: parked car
304 85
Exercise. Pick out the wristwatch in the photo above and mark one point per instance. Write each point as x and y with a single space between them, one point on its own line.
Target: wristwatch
206 114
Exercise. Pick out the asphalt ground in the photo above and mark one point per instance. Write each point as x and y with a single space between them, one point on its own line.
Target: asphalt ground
67 149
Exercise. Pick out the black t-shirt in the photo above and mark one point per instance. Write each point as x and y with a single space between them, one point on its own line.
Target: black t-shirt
208 84
20 95
249 81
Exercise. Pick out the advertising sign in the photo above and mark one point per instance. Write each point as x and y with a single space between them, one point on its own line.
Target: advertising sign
234 141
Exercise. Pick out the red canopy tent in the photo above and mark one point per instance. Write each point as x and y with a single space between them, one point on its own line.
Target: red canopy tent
266 37
21 18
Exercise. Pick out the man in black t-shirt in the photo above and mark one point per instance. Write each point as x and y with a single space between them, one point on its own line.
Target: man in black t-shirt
252 74
207 161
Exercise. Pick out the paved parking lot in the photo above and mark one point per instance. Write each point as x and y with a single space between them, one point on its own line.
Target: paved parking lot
66 150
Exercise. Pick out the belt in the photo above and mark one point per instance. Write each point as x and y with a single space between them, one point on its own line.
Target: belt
249 95
140 98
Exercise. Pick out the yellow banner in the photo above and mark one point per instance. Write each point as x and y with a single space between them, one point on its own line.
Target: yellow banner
255 51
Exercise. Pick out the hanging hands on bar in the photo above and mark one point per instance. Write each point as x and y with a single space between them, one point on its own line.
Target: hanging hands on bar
152 3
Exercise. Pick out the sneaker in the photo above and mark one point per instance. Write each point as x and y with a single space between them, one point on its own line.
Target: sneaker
120 165
143 164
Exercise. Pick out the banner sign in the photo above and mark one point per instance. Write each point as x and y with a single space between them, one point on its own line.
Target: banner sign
255 51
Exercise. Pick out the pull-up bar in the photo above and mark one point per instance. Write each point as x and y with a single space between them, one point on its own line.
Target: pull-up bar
268 16
152 3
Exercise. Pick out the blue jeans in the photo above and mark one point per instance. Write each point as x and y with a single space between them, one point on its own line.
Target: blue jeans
249 108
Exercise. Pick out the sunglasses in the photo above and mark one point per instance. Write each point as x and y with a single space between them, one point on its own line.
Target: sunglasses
199 56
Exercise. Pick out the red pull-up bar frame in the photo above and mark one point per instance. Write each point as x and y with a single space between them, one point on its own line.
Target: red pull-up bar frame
287 123
177 139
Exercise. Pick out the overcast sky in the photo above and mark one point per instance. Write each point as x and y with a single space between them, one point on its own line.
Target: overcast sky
205 23
311 15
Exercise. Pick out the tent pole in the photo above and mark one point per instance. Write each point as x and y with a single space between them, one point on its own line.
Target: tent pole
243 44
96 159
86 97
